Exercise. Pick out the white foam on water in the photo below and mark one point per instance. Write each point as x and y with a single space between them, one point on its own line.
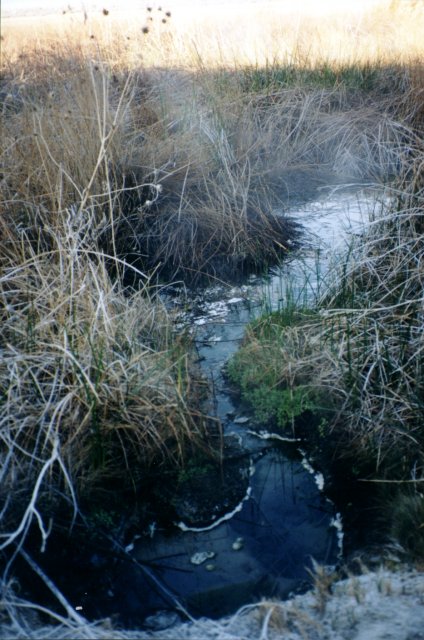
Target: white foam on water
224 518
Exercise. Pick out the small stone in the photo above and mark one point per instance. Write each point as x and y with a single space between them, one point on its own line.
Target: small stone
201 556
241 420
161 620
210 566
238 544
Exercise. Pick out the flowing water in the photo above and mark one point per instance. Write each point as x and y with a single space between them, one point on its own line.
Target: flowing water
265 545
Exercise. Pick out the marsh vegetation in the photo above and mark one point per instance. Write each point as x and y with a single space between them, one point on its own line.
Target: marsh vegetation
137 153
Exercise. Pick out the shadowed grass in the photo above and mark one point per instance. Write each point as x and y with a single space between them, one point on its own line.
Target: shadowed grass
94 386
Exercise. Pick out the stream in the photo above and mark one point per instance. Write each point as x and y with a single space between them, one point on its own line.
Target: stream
265 545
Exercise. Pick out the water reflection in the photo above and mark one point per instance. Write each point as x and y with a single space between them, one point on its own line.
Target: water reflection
265 549
265 546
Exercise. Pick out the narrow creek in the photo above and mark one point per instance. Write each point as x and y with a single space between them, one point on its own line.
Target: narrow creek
265 544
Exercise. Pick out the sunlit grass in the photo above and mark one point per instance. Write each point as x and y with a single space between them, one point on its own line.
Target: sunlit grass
386 32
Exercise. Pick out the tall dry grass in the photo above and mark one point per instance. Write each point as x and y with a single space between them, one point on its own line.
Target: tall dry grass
239 33
94 387
168 187
196 161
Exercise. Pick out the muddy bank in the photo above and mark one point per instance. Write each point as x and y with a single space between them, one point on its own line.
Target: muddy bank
379 605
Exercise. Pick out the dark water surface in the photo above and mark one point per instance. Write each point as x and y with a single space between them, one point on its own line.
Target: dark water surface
263 541
265 545
264 549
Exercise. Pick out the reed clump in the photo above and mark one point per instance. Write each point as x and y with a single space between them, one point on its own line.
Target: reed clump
95 386
95 389
171 193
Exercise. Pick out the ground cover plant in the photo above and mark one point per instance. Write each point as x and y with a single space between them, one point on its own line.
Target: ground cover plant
140 151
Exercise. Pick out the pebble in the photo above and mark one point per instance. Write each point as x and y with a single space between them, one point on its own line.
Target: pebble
201 556
238 544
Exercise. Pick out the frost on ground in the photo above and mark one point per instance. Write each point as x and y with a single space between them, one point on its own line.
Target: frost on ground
379 605
374 606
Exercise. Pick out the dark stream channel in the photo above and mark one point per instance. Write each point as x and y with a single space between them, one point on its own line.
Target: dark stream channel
265 545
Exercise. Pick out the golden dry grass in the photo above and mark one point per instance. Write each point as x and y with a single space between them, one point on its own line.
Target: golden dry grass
388 31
